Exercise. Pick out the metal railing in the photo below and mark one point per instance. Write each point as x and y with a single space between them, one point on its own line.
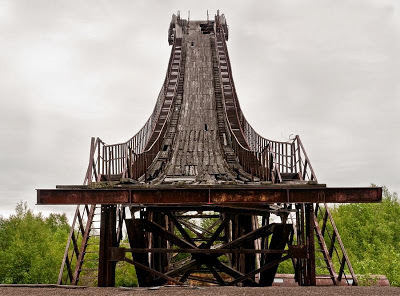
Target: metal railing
261 157
132 158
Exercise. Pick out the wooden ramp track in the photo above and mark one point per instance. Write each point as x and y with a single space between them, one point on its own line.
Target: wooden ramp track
197 132
202 196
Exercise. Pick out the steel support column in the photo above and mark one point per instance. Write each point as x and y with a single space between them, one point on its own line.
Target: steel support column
310 279
108 239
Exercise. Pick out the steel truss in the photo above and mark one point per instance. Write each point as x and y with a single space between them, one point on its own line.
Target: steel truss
242 246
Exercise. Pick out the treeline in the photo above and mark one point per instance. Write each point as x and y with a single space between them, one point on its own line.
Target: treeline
32 246
371 235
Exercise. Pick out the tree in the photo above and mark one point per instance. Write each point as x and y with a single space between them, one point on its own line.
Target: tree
371 234
31 246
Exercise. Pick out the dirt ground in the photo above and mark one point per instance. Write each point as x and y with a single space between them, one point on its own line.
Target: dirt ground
205 291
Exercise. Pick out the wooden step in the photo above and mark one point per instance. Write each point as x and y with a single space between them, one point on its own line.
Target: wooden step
290 176
115 177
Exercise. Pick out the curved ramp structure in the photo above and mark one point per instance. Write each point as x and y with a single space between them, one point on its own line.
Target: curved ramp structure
203 197
197 133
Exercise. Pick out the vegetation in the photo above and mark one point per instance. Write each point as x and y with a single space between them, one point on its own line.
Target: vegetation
125 274
31 245
371 234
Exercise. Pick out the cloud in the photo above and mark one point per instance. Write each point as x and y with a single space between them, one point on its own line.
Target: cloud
327 70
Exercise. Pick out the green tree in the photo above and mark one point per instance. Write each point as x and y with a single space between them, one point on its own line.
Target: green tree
371 235
31 246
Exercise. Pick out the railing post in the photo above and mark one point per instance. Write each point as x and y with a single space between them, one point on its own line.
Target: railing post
98 158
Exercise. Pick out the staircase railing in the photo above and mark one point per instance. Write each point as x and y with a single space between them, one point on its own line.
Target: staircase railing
77 242
335 252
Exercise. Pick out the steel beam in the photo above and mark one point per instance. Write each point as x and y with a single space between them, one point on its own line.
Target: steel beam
208 195
108 240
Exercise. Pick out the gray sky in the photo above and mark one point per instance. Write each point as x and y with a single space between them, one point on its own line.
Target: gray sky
326 70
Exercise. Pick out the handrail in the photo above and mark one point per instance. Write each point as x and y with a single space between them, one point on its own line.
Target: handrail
118 159
288 157
257 155
336 254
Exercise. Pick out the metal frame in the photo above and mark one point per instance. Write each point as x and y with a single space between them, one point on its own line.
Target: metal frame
143 232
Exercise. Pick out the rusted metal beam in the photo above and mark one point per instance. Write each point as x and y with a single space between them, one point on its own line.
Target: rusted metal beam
201 251
108 239
155 272
310 272
261 269
209 195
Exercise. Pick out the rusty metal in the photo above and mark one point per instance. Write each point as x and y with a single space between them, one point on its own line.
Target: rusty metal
208 195
263 195
73 258
108 240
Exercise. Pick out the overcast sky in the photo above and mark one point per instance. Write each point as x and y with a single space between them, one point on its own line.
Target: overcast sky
326 70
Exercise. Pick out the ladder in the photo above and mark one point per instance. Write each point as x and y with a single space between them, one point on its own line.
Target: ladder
81 256
336 251
81 231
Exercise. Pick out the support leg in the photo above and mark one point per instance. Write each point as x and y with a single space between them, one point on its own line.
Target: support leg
310 267
108 238
279 240
247 261
137 239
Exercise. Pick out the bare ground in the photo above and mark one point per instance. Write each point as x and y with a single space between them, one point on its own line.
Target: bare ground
204 291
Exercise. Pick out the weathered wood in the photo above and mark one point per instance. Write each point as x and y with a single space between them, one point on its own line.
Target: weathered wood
196 140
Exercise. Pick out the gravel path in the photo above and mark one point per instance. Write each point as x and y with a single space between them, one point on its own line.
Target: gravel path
205 291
